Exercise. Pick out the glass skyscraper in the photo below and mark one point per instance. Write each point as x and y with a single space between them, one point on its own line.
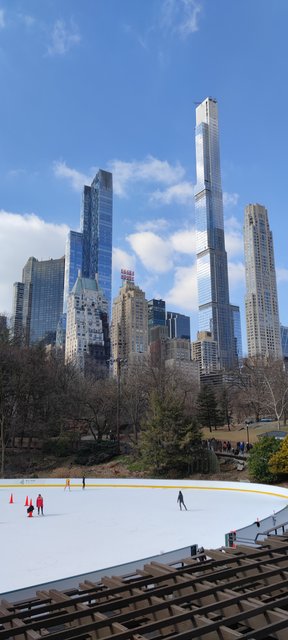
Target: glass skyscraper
73 262
38 300
215 314
284 341
237 333
178 325
156 315
96 228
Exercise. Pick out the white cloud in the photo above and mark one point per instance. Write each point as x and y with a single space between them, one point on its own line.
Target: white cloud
181 16
282 274
15 173
154 252
230 199
234 244
2 19
181 193
76 178
236 275
234 237
148 170
142 41
152 225
63 38
125 174
22 236
183 294
28 20
233 224
184 241
122 260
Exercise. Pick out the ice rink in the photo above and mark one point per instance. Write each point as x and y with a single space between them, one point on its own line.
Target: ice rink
116 521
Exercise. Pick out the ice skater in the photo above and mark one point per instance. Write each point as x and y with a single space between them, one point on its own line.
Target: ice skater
180 499
67 484
40 504
30 510
83 482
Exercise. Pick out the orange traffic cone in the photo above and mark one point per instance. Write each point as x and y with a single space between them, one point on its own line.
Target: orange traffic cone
26 502
11 501
30 514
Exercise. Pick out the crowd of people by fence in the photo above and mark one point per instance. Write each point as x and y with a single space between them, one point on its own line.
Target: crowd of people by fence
225 446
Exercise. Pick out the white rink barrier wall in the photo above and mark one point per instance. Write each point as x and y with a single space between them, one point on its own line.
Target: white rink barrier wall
131 483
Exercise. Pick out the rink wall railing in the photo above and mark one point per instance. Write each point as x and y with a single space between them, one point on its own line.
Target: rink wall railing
274 524
133 483
126 569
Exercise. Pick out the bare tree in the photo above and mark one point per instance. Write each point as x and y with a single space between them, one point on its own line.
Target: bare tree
263 387
134 396
97 401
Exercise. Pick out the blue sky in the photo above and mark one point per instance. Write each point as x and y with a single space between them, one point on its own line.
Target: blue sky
113 84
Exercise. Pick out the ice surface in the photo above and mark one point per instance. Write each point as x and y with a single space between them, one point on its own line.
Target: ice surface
116 521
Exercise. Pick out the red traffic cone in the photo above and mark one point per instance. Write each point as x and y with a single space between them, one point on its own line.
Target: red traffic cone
30 514
26 502
31 503
11 501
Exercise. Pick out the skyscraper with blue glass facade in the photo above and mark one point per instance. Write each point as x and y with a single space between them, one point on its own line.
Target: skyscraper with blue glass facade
73 262
284 341
156 315
237 333
96 228
38 301
90 250
178 325
215 314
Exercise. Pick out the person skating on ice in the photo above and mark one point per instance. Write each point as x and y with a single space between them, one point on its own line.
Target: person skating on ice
180 499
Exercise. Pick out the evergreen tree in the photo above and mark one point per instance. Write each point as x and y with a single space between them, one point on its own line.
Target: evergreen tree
207 411
224 407
169 437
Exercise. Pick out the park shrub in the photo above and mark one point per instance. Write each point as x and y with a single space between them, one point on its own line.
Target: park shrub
259 460
278 463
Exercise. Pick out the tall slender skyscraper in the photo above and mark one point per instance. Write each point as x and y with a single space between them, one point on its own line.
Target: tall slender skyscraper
261 302
96 227
215 314
237 333
73 262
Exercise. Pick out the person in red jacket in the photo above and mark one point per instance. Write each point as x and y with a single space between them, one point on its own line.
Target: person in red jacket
39 504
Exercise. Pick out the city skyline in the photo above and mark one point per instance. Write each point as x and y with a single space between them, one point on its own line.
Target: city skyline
138 123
